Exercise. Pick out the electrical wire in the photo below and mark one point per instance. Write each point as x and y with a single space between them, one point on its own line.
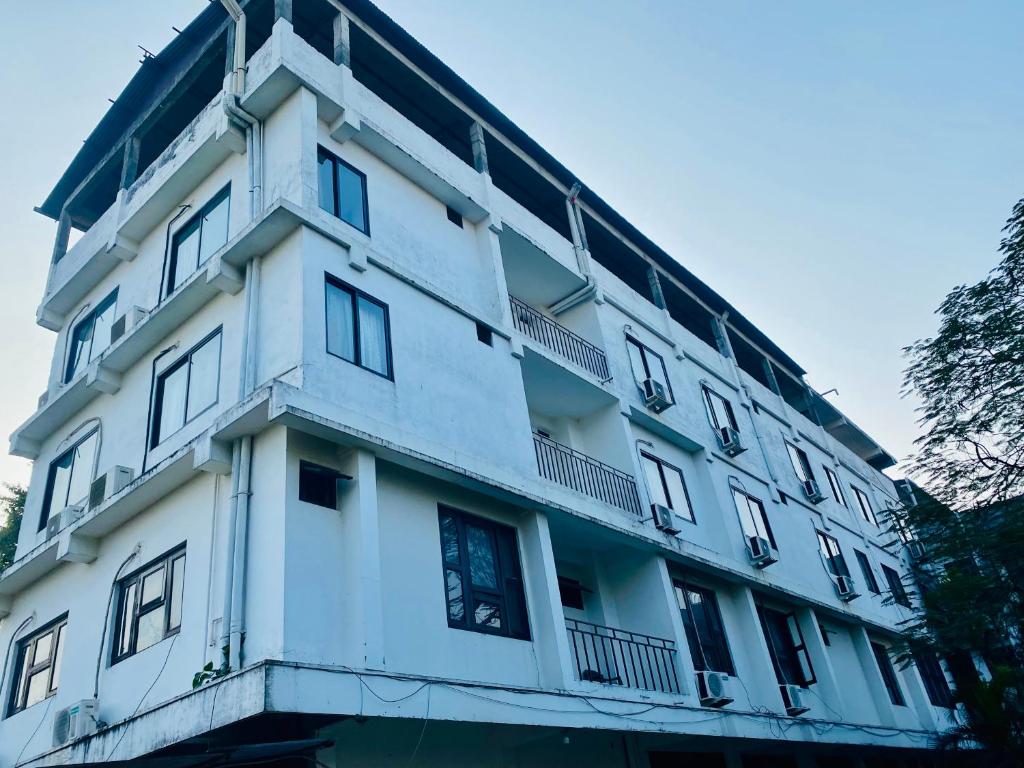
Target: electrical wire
138 706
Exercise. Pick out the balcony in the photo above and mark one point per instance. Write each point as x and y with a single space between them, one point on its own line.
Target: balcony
617 657
558 338
565 466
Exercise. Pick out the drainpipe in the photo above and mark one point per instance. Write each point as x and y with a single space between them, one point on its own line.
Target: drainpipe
579 242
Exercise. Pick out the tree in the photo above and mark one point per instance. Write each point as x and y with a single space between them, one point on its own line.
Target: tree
12 505
969 379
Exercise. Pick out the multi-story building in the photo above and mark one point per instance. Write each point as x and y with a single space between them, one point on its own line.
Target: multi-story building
373 436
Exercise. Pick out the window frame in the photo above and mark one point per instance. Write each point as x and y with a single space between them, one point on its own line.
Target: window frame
798 649
108 302
644 352
470 592
801 462
332 281
870 580
51 476
708 393
832 554
321 153
894 580
195 223
933 677
837 489
324 472
135 579
748 498
867 512
688 514
888 672
18 695
156 407
719 639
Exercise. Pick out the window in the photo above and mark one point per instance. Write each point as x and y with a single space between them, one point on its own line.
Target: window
187 388
864 503
319 485
833 483
91 336
37 666
786 647
705 633
753 518
358 329
896 588
667 487
647 364
825 635
199 239
720 412
570 591
832 555
484 334
934 679
801 465
892 685
342 190
869 574
149 605
482 576
70 476
454 216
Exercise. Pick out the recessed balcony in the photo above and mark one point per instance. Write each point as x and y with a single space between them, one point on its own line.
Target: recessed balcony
584 474
559 339
618 657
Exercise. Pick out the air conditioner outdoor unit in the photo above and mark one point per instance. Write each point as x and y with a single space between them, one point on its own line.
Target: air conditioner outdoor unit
714 689
126 322
655 396
75 722
729 441
62 519
846 589
916 550
761 551
793 697
109 483
664 519
813 492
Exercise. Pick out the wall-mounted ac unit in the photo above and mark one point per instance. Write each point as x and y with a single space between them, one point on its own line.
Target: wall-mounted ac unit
793 697
123 325
714 689
813 492
664 520
109 483
75 722
761 551
62 519
846 588
729 441
655 396
916 549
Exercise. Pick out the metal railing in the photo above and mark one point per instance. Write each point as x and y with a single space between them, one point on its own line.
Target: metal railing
559 339
617 657
576 470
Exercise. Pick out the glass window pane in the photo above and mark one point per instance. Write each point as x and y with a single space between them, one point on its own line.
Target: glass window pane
636 360
340 324
204 377
150 628
42 649
350 197
483 571
61 473
186 256
214 229
325 178
81 469
172 402
677 493
128 613
373 339
152 586
487 614
456 605
37 685
449 539
80 342
177 589
58 657
654 483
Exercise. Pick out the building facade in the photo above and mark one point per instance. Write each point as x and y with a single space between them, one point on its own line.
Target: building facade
372 435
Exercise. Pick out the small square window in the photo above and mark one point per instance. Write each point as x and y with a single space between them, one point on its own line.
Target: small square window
571 593
484 334
454 216
319 485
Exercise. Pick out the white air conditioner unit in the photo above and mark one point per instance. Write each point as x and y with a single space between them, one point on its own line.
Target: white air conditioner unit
761 551
714 689
729 441
916 550
62 519
75 722
655 396
109 483
846 589
813 492
664 520
123 325
793 697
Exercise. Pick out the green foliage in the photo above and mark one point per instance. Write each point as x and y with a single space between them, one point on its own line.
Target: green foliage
209 672
12 506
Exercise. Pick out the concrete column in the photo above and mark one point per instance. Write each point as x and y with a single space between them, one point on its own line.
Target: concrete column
60 243
342 40
130 163
722 338
289 159
769 374
866 657
753 661
229 51
684 664
657 294
283 10
827 688
479 143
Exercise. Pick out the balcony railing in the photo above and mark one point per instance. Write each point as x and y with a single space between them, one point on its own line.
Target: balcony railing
617 657
559 339
576 470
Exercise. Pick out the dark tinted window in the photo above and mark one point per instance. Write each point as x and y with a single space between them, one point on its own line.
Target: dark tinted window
358 328
705 633
786 647
892 685
318 485
91 336
199 239
342 190
149 605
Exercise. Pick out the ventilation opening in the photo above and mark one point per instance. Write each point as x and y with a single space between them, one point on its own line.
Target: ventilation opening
484 334
454 216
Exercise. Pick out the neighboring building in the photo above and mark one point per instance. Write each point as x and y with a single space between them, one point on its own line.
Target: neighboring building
358 399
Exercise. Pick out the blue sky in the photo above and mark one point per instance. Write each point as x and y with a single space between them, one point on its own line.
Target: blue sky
830 168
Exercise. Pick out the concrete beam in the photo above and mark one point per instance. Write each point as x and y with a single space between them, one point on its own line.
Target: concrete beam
342 41
103 380
212 456
479 144
6 603
76 548
283 10
224 277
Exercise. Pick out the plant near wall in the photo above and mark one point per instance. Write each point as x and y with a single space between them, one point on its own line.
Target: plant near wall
12 507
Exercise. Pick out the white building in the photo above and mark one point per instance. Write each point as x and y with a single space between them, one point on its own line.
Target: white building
423 452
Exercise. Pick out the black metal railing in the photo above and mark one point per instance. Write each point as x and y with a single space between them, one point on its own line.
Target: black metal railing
559 339
576 470
617 657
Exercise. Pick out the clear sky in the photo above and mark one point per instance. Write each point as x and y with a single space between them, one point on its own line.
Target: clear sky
831 168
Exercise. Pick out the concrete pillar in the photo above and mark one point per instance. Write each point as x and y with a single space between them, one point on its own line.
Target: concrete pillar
657 294
827 688
479 143
868 663
769 374
60 243
283 10
684 664
130 162
753 661
342 40
722 338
